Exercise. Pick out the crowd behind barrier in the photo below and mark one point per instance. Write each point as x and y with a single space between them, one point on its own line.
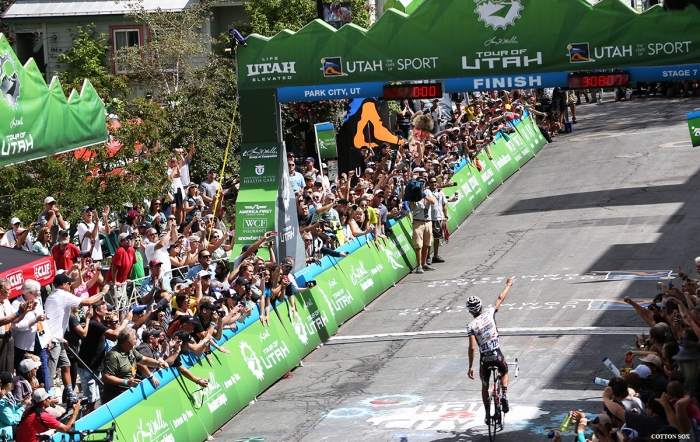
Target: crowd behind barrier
178 317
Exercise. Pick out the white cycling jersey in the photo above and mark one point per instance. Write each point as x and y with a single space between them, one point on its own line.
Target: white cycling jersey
484 328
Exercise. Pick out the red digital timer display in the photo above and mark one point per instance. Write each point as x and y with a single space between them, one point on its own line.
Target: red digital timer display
599 79
411 91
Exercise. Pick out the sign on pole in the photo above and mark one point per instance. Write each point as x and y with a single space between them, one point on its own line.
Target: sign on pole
325 140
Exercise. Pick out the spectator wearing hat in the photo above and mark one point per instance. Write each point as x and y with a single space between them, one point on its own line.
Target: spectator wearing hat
52 218
438 116
121 364
31 333
65 254
8 316
10 410
59 303
90 228
656 366
209 187
151 346
181 343
37 420
154 283
92 351
209 322
17 237
310 171
655 418
193 204
159 248
26 381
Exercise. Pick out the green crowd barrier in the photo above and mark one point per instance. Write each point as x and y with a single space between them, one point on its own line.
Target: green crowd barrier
260 355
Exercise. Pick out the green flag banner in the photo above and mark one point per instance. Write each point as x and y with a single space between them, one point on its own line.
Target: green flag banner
694 127
447 39
325 140
38 120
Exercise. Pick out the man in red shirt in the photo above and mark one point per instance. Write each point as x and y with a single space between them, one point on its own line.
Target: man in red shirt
122 261
37 420
64 253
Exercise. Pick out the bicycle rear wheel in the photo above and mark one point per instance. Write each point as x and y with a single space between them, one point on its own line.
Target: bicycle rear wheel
493 415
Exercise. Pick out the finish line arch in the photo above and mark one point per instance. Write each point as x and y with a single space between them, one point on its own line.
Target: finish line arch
466 45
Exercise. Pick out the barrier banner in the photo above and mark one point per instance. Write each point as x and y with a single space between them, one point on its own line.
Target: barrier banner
693 119
313 325
340 295
503 157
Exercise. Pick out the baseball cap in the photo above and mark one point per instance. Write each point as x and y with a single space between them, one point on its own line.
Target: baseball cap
324 165
84 255
63 232
27 365
154 262
177 280
86 209
418 169
183 336
125 235
193 185
194 238
378 191
203 273
187 319
139 309
211 171
242 281
310 160
318 181
455 129
150 333
61 279
652 359
40 395
14 221
5 377
246 247
643 371
144 224
49 200
208 306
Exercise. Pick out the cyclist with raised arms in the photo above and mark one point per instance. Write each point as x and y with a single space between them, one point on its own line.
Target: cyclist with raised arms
482 330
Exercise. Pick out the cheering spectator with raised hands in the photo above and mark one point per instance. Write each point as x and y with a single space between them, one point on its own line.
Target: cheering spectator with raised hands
180 344
52 218
185 160
89 229
177 188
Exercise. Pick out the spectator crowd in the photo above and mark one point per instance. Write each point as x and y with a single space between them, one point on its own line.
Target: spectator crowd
139 287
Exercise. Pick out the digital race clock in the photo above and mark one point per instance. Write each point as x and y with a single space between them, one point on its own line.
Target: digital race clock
411 91
599 79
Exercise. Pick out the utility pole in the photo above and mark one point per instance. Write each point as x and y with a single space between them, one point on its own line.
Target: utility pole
319 9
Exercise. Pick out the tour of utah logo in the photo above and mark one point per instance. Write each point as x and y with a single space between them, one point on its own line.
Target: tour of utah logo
332 67
579 53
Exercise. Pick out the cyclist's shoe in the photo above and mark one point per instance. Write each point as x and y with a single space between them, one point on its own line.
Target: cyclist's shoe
504 404
487 421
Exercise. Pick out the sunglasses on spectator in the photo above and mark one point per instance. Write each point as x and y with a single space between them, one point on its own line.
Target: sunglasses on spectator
206 256
364 206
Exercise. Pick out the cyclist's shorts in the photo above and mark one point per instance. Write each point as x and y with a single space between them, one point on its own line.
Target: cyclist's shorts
493 358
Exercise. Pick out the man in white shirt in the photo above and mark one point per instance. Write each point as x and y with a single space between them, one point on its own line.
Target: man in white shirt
18 237
158 249
59 303
89 229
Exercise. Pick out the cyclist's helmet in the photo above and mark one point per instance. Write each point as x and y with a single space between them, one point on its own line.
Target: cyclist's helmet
474 304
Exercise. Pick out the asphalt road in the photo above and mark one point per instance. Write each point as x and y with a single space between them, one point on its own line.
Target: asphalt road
619 193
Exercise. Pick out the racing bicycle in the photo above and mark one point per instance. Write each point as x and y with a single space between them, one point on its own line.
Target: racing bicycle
494 412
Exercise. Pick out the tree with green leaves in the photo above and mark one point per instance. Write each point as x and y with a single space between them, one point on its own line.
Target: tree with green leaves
88 57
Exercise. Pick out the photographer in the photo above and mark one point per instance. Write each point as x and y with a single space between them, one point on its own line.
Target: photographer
37 420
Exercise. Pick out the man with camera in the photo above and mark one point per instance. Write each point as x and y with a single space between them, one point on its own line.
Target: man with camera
158 248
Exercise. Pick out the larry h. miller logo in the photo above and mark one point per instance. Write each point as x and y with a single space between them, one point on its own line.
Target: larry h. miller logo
579 53
9 80
498 13
332 67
